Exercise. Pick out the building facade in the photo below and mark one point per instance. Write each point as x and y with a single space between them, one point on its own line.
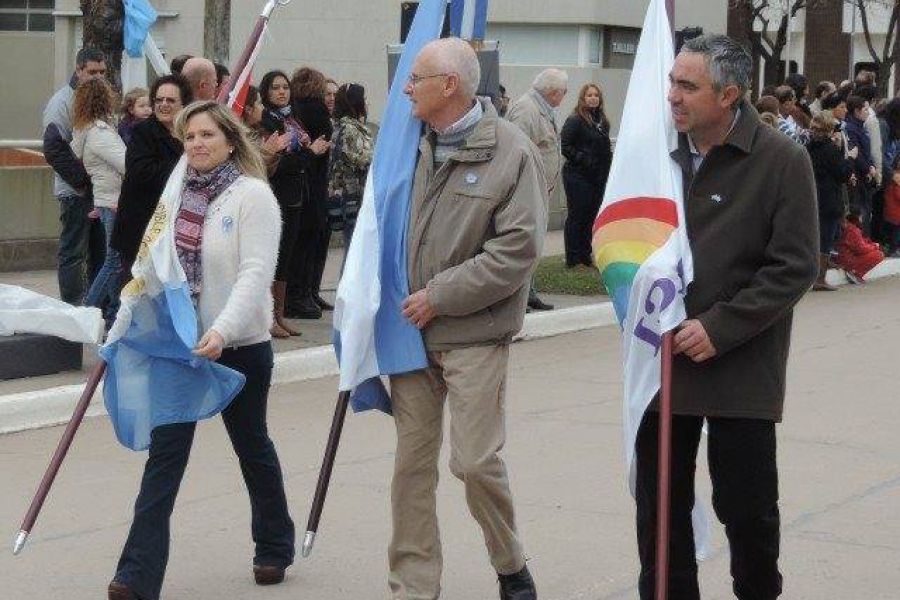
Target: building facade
593 40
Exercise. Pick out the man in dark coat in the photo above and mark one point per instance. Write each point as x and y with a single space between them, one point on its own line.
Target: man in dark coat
750 206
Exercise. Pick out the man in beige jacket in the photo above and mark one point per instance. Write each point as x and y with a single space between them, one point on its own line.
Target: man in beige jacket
477 221
535 114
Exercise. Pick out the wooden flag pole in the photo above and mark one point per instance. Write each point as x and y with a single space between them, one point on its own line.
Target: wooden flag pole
665 470
334 439
59 456
664 487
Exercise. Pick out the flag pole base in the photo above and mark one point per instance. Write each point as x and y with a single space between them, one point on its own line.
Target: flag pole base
21 538
308 540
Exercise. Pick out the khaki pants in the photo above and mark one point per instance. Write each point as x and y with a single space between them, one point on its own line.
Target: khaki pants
473 381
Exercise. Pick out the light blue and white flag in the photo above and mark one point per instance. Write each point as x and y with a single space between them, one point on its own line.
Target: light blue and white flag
152 376
468 18
371 336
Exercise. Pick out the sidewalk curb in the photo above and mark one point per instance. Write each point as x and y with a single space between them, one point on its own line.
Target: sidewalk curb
53 406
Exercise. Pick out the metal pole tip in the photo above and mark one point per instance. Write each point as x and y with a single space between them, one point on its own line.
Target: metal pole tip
21 538
308 540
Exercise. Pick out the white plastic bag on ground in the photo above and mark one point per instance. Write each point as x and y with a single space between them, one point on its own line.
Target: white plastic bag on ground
24 311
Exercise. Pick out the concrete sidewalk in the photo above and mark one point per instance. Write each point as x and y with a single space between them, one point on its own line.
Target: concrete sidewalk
44 401
316 333
838 449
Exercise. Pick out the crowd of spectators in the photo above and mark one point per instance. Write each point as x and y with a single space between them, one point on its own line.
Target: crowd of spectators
853 138
112 158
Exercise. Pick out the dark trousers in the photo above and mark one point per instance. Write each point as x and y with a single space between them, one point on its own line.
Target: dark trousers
741 455
308 263
142 565
290 238
861 200
583 197
82 248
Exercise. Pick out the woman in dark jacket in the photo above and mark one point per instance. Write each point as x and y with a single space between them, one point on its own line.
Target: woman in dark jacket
308 88
152 154
588 151
290 182
832 172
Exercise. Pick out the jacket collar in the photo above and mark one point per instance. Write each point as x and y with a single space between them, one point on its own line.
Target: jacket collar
480 144
741 137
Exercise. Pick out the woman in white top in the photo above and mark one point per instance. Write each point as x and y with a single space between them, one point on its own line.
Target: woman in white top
226 235
97 143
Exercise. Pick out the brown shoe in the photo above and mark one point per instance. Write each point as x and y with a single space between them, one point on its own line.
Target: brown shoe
821 284
279 291
120 591
268 575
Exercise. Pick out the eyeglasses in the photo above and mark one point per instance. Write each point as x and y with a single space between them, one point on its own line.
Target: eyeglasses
414 79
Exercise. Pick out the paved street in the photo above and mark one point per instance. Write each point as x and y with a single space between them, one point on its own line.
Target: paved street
840 483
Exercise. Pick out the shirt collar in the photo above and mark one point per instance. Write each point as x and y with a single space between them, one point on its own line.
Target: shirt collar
693 148
468 120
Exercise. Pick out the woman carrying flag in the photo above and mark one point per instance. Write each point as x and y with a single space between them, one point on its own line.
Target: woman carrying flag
226 230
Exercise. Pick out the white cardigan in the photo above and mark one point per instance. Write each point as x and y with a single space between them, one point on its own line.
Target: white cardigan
239 251
103 153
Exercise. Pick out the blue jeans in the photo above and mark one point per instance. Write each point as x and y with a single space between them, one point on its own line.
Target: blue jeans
142 565
104 292
81 246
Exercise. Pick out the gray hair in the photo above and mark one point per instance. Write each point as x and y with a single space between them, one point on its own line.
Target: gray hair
453 55
551 80
729 63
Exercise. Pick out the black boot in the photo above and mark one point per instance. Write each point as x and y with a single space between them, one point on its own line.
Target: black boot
321 302
536 303
302 307
518 586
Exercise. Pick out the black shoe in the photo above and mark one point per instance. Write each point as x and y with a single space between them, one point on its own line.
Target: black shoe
538 304
321 302
518 586
268 575
303 308
587 262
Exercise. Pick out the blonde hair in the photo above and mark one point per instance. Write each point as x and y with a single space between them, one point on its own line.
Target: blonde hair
131 98
246 154
823 124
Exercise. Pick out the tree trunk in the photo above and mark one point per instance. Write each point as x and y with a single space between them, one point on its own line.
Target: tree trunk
217 30
104 22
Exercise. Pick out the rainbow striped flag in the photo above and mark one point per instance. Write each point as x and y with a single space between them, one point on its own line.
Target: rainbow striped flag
640 243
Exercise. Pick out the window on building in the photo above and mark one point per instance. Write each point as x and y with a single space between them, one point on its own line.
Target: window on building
536 44
26 15
619 47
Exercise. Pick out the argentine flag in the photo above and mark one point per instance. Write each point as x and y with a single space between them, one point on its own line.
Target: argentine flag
468 18
152 376
371 336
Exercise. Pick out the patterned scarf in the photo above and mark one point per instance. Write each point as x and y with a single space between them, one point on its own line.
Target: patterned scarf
299 137
200 189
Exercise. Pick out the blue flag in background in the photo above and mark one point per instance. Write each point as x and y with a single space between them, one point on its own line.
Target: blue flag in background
139 18
468 18
371 336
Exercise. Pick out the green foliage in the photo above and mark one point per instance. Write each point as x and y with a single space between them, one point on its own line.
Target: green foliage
553 277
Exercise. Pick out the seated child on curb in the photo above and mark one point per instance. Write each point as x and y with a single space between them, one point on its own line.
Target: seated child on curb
856 254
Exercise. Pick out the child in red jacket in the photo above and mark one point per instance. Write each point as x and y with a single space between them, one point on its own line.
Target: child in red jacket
856 254
892 212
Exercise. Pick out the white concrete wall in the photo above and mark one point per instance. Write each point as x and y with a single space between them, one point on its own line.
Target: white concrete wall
347 39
